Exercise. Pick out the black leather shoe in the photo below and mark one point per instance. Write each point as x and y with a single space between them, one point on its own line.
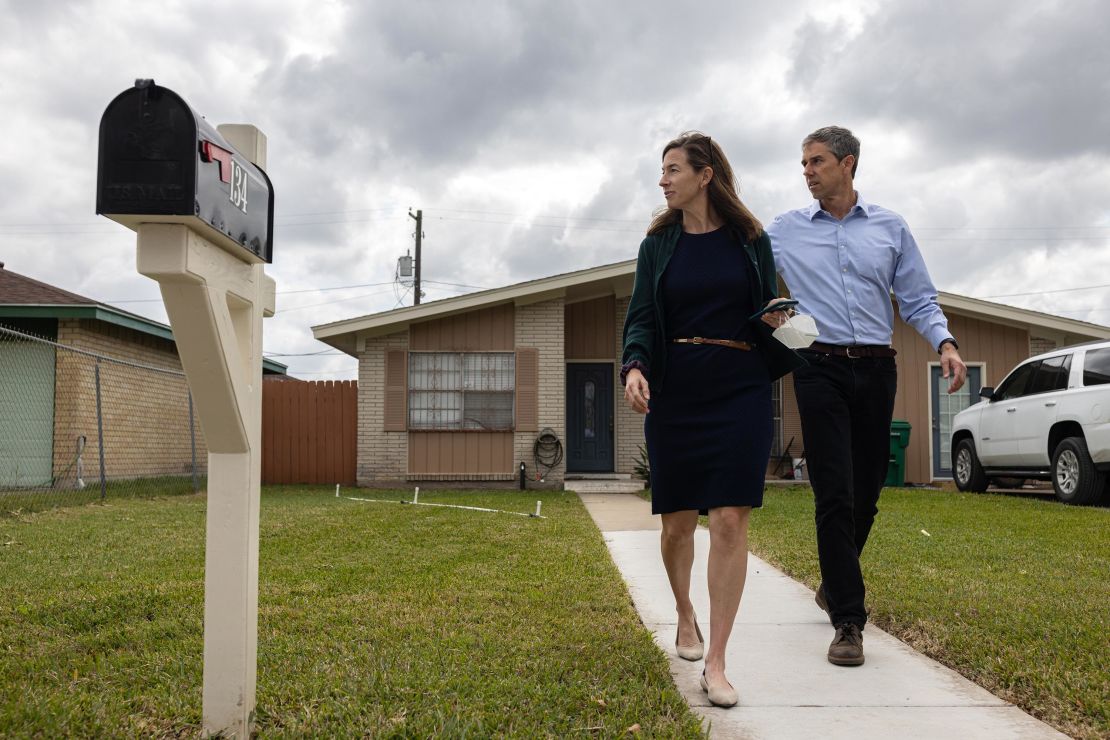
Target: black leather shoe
847 646
819 597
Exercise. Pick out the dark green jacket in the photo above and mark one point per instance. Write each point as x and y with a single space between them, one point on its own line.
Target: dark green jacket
645 335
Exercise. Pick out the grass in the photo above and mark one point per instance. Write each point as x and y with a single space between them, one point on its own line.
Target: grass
17 501
374 620
1013 592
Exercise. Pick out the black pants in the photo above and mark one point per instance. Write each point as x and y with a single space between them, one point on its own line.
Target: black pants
845 406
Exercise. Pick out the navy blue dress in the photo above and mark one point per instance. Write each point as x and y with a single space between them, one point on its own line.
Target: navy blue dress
709 426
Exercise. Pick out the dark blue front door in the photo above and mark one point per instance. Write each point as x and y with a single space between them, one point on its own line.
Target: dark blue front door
590 418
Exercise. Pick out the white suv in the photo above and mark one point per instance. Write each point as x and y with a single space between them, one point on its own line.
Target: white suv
1049 420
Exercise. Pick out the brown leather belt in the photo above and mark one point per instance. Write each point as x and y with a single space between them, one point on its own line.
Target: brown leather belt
854 352
746 346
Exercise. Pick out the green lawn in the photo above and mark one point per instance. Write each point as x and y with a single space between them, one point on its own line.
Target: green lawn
17 501
1013 592
374 619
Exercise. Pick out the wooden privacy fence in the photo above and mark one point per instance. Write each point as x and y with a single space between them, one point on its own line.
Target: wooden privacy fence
309 431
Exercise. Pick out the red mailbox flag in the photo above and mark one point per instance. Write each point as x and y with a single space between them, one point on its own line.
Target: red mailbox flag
214 153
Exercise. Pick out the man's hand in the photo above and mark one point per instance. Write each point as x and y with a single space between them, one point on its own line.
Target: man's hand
636 391
951 366
775 319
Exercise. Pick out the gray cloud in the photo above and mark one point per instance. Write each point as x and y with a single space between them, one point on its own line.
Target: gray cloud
969 79
530 132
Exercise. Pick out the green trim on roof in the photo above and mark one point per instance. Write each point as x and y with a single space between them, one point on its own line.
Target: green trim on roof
275 368
95 312
133 322
110 316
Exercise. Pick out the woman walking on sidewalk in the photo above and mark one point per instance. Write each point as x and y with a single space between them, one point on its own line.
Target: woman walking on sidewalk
700 367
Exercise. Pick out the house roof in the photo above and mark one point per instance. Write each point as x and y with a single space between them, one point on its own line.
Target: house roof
581 285
24 297
16 289
616 279
1068 331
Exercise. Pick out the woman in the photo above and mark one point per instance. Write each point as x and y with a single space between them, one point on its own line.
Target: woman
704 269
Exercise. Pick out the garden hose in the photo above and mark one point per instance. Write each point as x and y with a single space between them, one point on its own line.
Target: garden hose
547 452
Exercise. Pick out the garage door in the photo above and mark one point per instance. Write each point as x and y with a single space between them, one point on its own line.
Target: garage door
26 413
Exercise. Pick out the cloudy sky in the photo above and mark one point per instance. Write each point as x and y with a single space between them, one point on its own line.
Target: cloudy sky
529 133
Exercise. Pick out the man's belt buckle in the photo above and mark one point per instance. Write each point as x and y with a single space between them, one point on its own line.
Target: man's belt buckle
697 340
848 352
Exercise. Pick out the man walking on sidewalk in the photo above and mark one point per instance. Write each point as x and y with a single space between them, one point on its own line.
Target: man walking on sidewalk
841 258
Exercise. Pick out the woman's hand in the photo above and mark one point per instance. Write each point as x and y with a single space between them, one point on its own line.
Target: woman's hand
636 391
775 319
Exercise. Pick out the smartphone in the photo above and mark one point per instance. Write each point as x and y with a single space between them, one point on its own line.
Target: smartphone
780 306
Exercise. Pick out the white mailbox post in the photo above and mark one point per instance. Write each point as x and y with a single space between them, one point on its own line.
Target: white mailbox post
188 190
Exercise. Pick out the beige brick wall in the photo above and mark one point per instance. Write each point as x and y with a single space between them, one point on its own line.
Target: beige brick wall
541 325
382 456
629 424
144 413
1037 345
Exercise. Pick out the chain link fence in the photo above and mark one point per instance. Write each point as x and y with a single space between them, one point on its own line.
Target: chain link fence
78 427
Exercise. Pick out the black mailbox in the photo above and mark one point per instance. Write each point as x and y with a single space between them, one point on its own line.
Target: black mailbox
161 162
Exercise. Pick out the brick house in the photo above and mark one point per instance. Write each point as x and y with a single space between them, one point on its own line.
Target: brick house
461 389
48 400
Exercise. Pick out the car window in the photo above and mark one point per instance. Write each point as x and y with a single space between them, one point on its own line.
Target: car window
1052 375
1016 382
1096 367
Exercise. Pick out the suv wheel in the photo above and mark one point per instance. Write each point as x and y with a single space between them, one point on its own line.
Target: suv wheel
966 469
1074 477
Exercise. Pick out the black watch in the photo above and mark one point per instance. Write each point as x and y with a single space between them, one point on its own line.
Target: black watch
943 342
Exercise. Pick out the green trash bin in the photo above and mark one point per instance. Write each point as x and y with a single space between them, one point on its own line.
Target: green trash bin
899 441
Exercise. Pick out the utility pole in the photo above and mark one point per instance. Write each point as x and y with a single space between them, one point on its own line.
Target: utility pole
419 218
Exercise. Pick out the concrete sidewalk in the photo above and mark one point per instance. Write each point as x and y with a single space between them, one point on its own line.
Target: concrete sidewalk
776 655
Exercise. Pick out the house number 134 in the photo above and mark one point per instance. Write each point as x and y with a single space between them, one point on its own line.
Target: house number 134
238 194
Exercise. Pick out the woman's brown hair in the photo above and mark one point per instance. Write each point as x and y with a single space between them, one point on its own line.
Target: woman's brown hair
701 152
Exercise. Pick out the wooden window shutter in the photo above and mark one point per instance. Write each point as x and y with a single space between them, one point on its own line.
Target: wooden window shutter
396 390
528 390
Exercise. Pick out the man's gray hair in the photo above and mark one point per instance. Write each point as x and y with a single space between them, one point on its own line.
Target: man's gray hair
840 141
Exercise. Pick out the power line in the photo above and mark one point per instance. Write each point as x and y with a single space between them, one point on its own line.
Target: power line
330 303
334 213
534 225
335 287
280 292
336 221
573 227
281 219
323 352
320 372
568 221
522 215
89 222
457 285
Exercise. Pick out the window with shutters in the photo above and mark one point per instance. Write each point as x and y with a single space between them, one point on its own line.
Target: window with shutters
461 390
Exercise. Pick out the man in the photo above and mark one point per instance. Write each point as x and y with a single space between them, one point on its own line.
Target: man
842 257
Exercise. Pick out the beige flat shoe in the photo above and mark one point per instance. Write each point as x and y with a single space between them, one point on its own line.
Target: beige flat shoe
691 652
720 697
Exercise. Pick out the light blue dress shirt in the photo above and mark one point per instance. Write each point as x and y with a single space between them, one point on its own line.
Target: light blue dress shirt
843 272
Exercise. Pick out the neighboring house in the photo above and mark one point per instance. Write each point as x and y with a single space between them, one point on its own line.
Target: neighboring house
49 393
462 388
